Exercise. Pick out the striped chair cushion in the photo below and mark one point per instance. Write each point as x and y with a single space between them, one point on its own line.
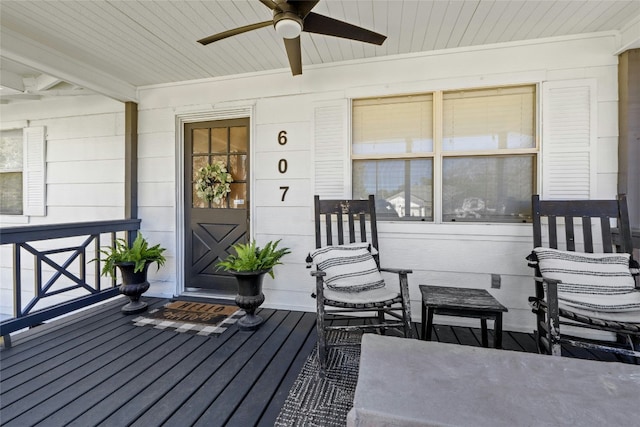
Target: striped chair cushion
600 282
348 268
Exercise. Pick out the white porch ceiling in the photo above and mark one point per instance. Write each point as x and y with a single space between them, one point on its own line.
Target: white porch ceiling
113 47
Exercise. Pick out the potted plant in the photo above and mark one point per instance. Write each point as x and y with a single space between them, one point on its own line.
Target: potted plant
133 263
249 265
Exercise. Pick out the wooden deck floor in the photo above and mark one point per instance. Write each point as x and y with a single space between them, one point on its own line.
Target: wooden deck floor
97 368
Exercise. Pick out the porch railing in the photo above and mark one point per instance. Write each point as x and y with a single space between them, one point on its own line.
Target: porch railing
53 277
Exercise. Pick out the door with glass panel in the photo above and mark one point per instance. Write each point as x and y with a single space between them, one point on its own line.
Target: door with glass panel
216 215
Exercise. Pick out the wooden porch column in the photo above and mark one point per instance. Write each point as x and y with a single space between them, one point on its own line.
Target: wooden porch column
629 139
131 163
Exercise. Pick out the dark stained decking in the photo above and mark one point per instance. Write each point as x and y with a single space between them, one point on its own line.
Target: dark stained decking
97 368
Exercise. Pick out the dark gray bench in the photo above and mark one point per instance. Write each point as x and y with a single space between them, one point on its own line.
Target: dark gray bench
419 383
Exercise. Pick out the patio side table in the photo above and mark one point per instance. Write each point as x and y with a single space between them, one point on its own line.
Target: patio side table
463 302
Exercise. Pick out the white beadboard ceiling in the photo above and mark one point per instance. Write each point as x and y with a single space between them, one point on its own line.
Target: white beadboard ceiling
113 46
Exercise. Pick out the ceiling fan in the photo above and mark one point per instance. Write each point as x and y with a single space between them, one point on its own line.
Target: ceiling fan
290 18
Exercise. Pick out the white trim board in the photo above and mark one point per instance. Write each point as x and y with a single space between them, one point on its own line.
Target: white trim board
239 111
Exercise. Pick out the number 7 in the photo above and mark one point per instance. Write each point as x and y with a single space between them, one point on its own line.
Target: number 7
284 192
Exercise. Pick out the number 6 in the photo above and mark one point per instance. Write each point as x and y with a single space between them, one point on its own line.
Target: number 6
282 137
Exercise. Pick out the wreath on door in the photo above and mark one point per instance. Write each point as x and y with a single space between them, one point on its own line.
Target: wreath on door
212 182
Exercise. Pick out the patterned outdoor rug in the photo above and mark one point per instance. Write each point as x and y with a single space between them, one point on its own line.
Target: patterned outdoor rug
324 402
191 317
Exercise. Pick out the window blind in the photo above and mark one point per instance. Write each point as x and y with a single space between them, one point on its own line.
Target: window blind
489 119
377 124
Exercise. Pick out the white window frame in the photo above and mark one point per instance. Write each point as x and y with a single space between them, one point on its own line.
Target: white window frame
439 154
33 173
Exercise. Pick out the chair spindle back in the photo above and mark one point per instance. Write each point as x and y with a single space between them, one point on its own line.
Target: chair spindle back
601 211
346 221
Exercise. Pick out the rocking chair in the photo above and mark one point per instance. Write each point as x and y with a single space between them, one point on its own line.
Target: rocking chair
590 290
348 278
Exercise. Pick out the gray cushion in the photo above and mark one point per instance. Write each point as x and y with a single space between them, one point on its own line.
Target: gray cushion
365 297
600 282
348 268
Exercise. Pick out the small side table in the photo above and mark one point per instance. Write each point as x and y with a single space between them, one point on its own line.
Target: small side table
464 302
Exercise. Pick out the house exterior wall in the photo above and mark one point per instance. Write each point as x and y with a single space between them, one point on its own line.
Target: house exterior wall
84 156
314 110
448 254
84 174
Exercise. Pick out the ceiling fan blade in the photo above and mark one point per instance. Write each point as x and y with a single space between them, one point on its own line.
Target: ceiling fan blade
303 7
320 24
271 4
235 31
295 55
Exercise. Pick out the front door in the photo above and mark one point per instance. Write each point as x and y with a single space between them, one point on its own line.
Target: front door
212 226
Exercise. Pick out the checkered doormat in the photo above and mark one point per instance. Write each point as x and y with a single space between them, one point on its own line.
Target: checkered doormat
191 317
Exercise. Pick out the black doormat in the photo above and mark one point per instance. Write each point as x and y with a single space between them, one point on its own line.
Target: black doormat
191 317
324 402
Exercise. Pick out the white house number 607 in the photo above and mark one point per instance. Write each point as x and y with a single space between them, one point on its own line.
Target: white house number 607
282 163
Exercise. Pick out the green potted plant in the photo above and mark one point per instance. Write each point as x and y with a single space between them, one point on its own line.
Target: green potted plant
133 262
249 265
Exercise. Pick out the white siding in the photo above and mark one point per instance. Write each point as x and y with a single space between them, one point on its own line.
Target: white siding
84 156
313 107
464 254
84 171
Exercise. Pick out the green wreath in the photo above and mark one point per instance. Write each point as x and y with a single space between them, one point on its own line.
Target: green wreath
212 183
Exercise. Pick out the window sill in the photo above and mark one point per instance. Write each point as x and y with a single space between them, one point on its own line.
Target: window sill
481 230
14 219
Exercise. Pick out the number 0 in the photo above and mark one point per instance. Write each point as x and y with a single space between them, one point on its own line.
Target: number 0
282 165
284 192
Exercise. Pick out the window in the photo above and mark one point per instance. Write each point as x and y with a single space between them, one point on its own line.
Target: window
11 172
475 148
23 172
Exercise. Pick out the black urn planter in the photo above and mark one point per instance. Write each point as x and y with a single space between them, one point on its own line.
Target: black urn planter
249 297
133 285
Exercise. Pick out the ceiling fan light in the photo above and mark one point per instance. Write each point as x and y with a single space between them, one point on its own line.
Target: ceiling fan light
288 28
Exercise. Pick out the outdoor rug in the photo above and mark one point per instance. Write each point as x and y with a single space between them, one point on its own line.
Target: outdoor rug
191 317
324 402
